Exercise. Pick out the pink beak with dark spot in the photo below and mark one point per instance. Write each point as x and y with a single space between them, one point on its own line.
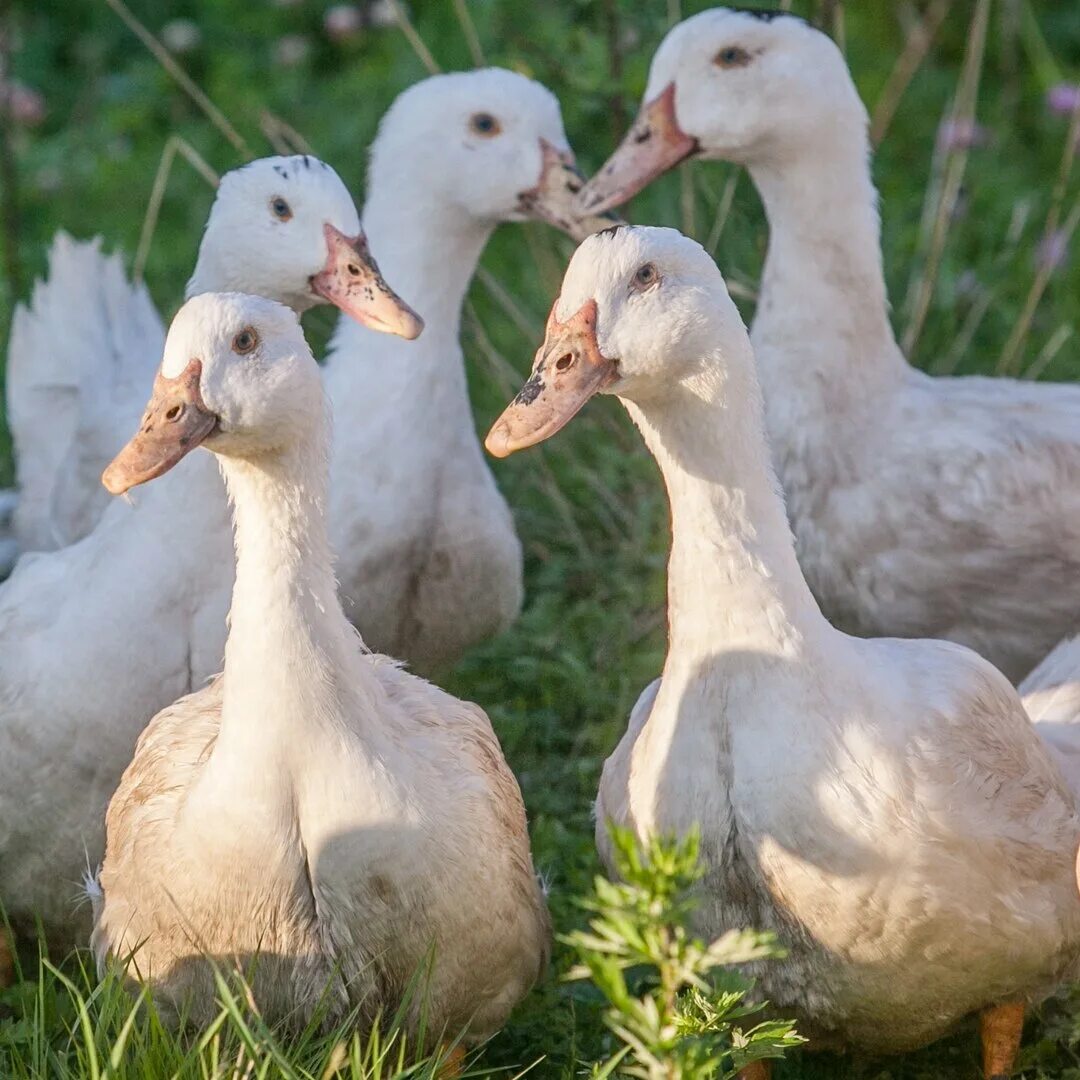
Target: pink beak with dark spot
569 369
175 422
351 281
653 145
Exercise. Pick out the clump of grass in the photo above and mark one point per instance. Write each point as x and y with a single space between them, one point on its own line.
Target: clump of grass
678 1006
66 1024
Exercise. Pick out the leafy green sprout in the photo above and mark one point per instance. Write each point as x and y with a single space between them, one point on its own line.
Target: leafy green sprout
678 1007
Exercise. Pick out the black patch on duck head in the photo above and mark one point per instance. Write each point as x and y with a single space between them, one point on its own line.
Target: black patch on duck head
281 171
765 14
530 391
611 230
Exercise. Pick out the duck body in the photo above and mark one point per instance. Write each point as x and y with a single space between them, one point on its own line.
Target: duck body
884 805
432 562
78 356
922 506
941 508
67 661
373 861
904 900
318 816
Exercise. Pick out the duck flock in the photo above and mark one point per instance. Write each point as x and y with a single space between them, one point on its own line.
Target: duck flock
865 561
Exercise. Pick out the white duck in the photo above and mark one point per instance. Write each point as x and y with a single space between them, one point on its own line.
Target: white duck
73 695
81 352
925 507
316 806
429 560
884 804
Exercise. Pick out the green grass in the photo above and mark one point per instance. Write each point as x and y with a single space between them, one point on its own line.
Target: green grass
589 506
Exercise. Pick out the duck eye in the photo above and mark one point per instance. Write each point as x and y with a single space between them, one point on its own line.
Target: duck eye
280 208
485 124
245 341
646 275
732 57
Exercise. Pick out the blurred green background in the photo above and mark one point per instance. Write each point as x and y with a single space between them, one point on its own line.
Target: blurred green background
84 154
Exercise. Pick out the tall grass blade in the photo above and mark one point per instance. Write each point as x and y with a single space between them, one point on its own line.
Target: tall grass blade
414 39
916 47
187 84
955 164
1008 361
173 145
468 28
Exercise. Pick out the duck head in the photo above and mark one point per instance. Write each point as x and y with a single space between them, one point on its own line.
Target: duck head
639 308
490 145
287 228
743 86
236 377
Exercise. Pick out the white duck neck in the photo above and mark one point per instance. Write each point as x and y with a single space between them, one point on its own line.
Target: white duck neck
822 325
289 642
428 252
734 583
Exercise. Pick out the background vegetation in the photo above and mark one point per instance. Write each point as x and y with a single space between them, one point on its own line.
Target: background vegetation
979 198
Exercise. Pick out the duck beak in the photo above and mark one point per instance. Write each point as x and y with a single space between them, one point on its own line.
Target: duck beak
569 369
351 281
175 422
653 145
555 197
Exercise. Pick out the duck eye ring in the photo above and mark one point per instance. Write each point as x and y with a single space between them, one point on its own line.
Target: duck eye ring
245 341
280 208
646 275
732 57
484 124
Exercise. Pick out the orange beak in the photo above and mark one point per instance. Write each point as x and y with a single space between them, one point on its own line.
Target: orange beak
175 422
555 197
653 145
568 370
351 281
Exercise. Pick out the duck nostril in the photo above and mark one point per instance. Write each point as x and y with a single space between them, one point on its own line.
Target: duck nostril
175 413
564 362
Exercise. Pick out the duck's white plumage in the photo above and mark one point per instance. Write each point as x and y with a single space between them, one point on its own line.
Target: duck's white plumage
937 507
78 359
883 804
317 815
82 670
429 560
1051 697
155 569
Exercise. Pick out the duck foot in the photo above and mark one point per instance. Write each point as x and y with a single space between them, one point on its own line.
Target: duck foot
1000 1029
7 960
452 1064
756 1070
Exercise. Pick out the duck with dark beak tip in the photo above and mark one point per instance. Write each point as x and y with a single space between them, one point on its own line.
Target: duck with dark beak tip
569 369
653 145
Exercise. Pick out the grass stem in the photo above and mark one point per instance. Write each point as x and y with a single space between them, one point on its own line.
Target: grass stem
186 83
